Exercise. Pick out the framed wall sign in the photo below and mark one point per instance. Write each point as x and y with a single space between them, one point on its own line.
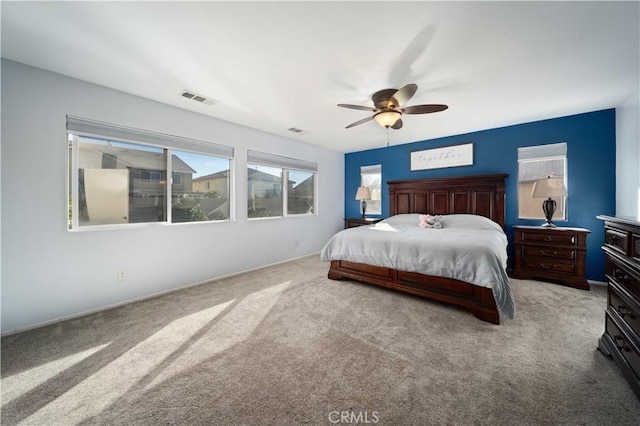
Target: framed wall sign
448 156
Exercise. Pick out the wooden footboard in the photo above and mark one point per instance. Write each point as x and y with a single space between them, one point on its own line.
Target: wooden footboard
477 300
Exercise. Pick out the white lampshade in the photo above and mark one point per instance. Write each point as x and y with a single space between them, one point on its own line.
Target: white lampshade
363 193
387 118
549 187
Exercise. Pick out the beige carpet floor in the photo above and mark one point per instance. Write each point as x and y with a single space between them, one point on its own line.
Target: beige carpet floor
287 346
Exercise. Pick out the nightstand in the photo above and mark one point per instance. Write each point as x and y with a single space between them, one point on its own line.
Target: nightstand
352 222
553 254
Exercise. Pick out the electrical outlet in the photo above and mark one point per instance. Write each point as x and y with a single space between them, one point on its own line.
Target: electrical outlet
122 275
296 243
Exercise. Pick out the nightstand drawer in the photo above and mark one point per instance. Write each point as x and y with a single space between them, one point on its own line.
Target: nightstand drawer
553 252
352 222
549 266
562 238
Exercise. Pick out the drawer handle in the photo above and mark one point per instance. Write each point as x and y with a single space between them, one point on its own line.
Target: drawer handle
554 266
612 240
548 238
623 346
624 311
546 253
620 275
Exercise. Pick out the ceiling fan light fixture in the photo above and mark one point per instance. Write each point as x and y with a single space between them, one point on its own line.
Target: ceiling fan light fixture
387 118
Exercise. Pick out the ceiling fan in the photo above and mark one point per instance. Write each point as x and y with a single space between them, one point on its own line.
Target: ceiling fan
388 107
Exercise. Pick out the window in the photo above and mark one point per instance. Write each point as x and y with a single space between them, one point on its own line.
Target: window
540 162
371 176
265 191
191 200
119 175
279 186
176 179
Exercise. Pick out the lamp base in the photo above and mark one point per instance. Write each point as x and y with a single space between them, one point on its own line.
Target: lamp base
364 207
549 208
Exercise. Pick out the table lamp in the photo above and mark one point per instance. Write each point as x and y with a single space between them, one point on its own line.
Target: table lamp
363 194
547 188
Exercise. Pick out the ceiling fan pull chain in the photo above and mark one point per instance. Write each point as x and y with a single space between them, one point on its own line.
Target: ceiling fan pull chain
387 137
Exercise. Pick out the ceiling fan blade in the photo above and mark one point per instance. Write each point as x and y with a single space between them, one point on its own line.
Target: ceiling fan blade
403 95
398 124
360 107
364 120
423 109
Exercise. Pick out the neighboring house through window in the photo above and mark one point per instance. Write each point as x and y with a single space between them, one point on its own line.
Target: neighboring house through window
279 186
118 176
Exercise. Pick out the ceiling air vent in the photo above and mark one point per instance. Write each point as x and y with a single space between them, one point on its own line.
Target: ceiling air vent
198 98
298 131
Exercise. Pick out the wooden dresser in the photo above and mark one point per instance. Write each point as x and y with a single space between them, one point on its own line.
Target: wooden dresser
553 254
621 338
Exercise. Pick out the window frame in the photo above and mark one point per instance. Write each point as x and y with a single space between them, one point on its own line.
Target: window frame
538 153
286 165
80 127
285 179
373 169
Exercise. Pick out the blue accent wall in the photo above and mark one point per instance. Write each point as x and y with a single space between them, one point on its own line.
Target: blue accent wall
591 167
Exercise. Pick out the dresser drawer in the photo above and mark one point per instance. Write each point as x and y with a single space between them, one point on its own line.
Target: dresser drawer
622 275
623 343
626 308
616 239
560 238
549 265
546 251
635 247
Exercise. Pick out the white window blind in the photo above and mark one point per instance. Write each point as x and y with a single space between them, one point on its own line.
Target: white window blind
85 127
265 159
371 170
538 152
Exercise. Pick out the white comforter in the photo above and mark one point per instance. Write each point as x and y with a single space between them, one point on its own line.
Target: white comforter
468 248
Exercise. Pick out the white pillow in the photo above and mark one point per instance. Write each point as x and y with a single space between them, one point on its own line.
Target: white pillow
469 221
403 219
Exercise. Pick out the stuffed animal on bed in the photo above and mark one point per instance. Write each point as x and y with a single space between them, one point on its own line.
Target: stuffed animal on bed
430 221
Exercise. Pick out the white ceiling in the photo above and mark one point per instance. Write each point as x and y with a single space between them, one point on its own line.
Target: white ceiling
276 65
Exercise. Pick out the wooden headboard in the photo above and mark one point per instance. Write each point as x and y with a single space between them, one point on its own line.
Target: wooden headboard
482 195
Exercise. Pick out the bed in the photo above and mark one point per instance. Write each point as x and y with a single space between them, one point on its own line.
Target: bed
454 198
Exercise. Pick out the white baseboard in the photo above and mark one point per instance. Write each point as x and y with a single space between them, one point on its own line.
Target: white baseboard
145 297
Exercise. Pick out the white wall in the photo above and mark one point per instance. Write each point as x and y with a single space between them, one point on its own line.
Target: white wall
49 273
628 157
